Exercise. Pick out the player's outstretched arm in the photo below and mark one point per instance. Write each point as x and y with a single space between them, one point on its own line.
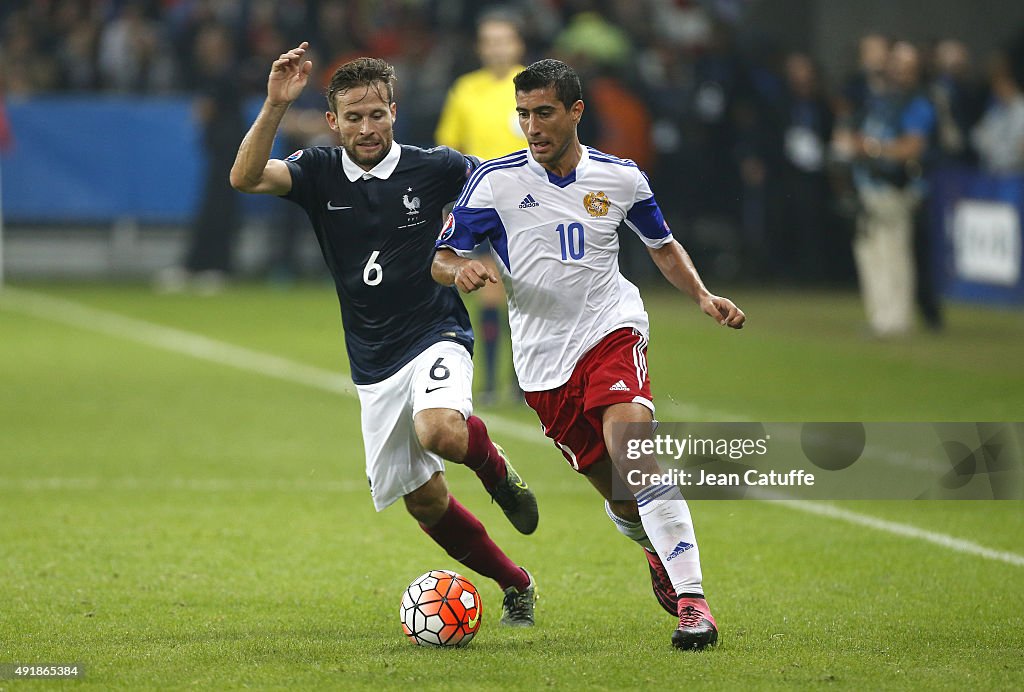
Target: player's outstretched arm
468 275
254 171
676 265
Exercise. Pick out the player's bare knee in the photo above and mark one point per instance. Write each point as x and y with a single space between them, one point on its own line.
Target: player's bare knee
442 432
437 440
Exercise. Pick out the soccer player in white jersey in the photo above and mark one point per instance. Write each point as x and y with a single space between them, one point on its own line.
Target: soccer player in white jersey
579 329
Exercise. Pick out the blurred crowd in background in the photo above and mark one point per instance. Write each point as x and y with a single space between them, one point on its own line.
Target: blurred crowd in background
753 155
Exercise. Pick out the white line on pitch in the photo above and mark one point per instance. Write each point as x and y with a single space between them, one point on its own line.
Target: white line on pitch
204 348
959 545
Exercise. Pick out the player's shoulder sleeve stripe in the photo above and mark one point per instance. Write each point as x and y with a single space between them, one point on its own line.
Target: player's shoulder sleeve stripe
467 227
511 161
646 220
596 155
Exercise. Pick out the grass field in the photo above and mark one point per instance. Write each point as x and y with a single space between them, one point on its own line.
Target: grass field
182 504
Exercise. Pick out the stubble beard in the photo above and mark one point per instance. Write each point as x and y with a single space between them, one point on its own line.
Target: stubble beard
367 161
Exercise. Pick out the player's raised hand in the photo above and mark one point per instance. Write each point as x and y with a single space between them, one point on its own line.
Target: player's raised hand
288 76
473 275
724 311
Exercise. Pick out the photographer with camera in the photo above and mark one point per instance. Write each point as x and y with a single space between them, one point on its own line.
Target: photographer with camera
888 146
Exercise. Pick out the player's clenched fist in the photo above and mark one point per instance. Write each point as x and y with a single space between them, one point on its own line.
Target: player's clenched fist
473 275
288 76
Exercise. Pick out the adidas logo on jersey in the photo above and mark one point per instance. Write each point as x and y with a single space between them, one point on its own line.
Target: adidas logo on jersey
619 386
528 202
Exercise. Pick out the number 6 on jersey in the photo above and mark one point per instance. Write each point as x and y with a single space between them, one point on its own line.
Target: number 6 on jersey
373 273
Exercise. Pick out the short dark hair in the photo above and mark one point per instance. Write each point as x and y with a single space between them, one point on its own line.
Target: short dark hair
545 73
362 72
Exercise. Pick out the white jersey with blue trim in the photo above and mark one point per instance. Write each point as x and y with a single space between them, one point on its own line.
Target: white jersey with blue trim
556 245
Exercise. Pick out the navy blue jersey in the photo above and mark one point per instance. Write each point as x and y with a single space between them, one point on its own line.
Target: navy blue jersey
377 236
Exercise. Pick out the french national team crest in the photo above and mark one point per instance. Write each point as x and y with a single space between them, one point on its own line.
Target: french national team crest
413 205
596 203
448 230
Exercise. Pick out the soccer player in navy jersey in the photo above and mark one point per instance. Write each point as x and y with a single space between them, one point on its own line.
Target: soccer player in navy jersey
579 328
376 208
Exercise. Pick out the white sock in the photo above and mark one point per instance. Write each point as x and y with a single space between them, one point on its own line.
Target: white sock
633 530
666 517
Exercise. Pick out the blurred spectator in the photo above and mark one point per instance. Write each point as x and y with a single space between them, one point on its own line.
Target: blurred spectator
889 145
601 54
728 128
26 65
335 29
425 66
958 99
591 35
723 186
684 24
999 137
720 87
869 79
265 41
866 82
622 120
803 231
479 119
132 54
760 119
77 53
218 108
667 74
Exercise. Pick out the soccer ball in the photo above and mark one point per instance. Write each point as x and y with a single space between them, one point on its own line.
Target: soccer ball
441 608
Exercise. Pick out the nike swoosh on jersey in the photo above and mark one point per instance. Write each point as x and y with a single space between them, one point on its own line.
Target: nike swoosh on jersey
331 207
429 390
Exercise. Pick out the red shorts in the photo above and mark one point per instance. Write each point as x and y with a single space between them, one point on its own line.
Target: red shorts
612 372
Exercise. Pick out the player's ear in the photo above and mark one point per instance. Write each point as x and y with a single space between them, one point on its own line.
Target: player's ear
332 120
576 112
394 111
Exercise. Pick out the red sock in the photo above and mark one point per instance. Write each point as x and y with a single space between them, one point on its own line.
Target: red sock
481 455
465 539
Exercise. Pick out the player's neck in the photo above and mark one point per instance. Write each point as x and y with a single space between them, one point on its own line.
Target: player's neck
500 71
567 163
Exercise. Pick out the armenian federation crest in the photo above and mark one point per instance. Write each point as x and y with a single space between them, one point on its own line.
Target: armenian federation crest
596 203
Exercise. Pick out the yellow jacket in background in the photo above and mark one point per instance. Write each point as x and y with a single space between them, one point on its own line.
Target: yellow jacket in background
479 116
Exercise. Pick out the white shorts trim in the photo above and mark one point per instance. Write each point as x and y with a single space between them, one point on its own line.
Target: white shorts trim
643 401
396 462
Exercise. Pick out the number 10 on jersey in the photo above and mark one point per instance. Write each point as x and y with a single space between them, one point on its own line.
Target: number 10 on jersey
571 240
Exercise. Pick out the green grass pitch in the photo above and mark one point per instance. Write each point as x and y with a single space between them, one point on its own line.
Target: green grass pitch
174 515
